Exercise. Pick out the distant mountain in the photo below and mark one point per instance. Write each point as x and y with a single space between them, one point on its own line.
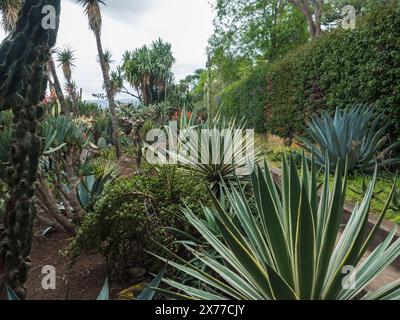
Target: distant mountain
104 103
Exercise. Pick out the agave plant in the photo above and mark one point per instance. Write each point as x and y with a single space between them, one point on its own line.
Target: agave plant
92 186
352 134
291 246
220 151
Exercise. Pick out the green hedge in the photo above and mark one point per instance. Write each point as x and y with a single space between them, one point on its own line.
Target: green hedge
342 68
246 99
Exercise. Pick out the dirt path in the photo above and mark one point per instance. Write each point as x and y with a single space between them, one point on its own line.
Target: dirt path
83 282
127 166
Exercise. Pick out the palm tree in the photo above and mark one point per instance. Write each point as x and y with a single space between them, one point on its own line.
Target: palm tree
10 10
92 10
148 70
56 84
107 59
117 83
66 59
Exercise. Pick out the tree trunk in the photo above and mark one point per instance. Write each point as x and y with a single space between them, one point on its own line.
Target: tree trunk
111 102
312 10
312 28
73 181
317 7
73 96
47 201
57 86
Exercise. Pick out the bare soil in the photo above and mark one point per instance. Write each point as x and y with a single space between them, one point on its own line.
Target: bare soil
83 281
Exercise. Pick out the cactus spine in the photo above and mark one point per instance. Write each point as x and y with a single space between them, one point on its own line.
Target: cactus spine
23 77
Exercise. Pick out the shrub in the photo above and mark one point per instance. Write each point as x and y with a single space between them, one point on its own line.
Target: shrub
88 108
133 213
342 68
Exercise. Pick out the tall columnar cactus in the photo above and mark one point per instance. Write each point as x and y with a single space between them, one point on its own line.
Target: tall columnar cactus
23 77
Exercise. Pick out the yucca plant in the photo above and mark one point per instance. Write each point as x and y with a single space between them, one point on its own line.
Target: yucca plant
66 59
352 134
292 246
9 10
220 151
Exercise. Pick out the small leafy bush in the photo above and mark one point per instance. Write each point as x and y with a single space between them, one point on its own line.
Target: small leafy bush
132 214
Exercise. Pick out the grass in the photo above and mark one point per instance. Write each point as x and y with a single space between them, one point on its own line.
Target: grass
356 191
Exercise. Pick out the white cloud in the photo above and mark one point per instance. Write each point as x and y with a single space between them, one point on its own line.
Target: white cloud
126 8
129 24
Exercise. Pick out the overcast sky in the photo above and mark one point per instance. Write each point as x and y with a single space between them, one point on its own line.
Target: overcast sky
128 24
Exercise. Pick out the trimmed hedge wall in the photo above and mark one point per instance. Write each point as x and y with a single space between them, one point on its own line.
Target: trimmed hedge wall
246 99
342 68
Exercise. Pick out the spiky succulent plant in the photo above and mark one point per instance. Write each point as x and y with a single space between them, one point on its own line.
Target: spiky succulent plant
291 246
353 134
